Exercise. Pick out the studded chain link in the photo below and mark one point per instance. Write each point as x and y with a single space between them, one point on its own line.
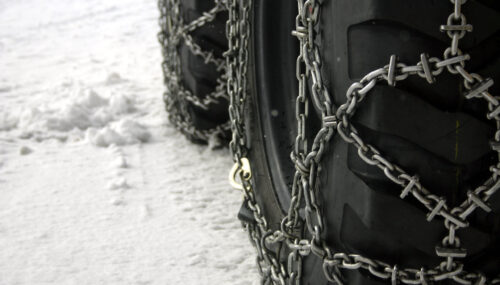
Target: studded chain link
178 99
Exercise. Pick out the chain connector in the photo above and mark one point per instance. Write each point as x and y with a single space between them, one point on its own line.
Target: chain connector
466 27
392 71
451 252
473 198
242 170
480 88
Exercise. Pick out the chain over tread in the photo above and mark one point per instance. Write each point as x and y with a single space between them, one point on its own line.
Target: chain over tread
201 78
313 194
193 41
377 118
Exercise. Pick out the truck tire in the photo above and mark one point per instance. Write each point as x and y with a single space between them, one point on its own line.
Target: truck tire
200 73
429 129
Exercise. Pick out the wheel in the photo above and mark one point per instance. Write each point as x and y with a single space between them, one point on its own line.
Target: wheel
193 40
430 130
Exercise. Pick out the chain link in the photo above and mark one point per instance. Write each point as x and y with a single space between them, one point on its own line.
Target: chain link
178 99
238 30
337 120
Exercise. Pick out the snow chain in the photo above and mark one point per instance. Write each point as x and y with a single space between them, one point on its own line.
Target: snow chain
307 157
177 98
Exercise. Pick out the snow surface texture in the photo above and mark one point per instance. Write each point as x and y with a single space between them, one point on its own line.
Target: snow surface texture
95 186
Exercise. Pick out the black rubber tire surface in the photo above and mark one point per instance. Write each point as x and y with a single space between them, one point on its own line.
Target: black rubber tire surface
199 77
428 129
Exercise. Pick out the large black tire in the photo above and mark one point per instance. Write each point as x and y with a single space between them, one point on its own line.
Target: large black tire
428 129
199 76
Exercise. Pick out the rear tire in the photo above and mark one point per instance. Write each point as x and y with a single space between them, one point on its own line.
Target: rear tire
198 76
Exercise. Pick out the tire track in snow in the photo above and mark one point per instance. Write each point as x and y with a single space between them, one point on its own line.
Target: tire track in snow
70 212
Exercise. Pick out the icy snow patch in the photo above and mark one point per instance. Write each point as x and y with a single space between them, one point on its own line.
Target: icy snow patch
117 202
114 78
102 120
120 162
24 150
120 133
119 183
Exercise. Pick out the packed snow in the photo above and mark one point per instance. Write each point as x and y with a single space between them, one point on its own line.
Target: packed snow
95 186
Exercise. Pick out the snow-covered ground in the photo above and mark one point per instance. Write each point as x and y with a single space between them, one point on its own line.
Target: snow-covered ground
95 186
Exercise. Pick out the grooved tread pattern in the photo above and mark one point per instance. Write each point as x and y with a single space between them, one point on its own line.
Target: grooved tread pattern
200 78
